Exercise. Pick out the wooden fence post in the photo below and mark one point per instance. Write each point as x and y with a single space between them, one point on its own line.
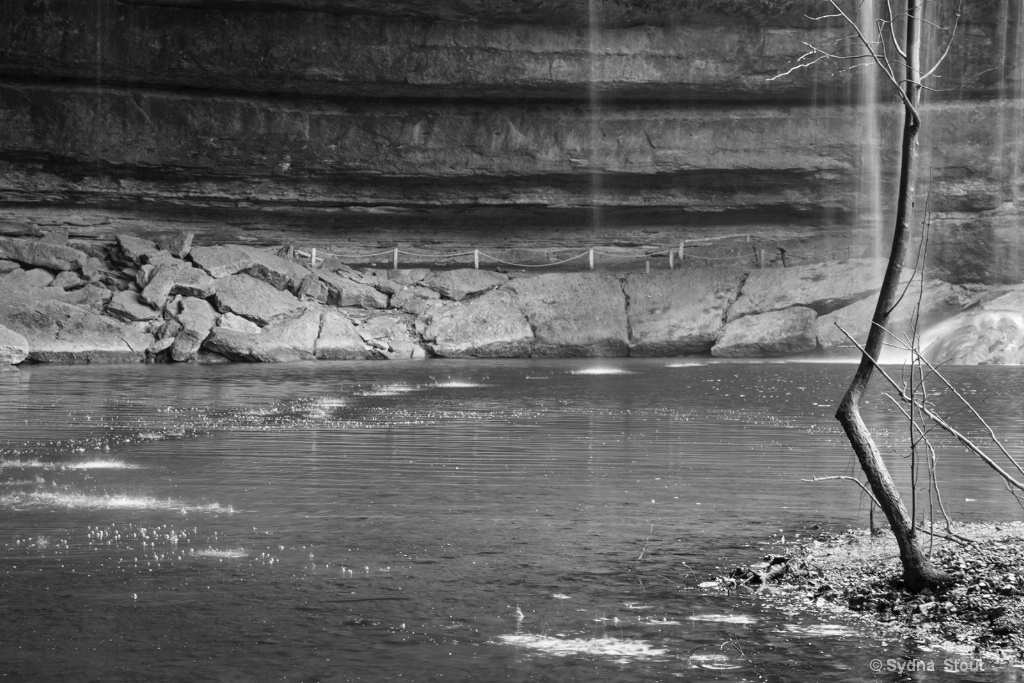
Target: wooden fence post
591 259
395 263
476 259
312 257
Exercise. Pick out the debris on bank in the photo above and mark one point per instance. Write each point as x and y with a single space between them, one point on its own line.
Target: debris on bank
981 612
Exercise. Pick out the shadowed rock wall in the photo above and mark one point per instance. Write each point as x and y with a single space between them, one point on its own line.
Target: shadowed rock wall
491 123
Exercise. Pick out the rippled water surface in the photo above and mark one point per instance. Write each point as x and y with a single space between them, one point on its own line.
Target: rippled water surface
477 521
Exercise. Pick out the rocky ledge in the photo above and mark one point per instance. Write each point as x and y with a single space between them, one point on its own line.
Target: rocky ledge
136 300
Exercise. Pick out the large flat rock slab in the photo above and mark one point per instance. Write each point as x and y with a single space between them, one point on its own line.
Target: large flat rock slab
491 326
573 314
344 291
254 299
287 340
460 283
823 287
787 332
42 254
678 312
58 332
221 261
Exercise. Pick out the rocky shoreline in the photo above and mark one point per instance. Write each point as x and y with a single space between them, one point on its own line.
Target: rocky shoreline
856 575
137 300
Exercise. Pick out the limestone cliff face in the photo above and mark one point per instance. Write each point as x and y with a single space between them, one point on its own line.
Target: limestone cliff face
493 123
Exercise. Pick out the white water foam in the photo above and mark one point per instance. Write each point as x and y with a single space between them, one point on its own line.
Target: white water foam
601 370
724 618
388 390
221 554
105 464
454 384
563 647
83 501
820 631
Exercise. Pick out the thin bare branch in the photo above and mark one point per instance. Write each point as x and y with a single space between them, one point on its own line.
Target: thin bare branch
952 35
843 477
935 417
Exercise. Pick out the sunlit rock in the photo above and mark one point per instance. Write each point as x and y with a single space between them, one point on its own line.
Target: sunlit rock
678 312
189 281
230 321
127 306
343 291
255 299
490 326
135 248
196 320
460 283
408 276
221 261
392 337
42 254
67 280
823 287
33 278
573 314
58 332
14 347
285 340
278 272
338 338
765 335
160 284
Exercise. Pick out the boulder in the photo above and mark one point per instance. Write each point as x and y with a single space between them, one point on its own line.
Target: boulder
787 332
136 248
230 321
189 281
290 339
939 301
67 280
195 322
254 299
392 337
127 306
14 347
160 284
823 287
408 276
1011 300
58 332
178 245
460 283
573 314
280 273
42 254
490 326
344 291
678 311
27 279
338 339
8 266
221 261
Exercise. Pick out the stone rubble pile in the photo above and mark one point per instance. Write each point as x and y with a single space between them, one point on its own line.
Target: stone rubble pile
139 300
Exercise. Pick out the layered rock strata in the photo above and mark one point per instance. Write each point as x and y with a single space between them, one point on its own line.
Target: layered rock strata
127 302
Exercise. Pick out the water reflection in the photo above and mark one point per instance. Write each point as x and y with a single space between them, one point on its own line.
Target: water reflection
370 521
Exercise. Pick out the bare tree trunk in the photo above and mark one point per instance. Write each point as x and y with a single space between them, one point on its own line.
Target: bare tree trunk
918 571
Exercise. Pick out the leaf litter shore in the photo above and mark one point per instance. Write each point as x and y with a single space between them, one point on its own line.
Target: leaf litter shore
857 574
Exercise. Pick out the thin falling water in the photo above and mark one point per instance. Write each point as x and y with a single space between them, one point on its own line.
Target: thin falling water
870 191
593 47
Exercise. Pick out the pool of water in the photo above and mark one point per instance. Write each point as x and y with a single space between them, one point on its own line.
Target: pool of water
437 521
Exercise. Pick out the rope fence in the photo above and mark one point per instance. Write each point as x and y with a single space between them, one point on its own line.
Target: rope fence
675 256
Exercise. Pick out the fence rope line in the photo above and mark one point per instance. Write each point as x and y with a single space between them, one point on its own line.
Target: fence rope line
316 256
